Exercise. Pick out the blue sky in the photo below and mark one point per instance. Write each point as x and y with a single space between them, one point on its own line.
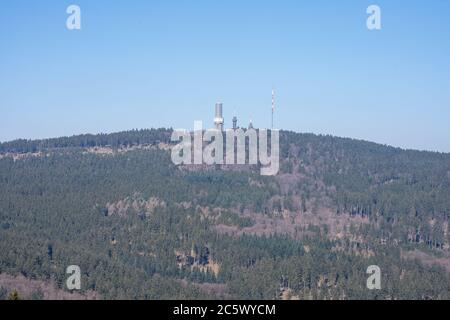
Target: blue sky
140 64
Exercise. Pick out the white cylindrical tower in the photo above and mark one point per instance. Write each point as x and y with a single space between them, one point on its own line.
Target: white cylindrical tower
218 118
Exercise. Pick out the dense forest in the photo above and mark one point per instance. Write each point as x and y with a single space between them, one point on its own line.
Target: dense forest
140 227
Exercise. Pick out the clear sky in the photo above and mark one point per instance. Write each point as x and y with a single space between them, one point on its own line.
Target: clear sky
141 64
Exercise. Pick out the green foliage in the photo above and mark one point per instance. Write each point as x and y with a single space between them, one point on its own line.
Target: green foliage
3 293
37 295
56 210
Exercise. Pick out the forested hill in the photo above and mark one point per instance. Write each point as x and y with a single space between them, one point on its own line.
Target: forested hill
115 140
140 227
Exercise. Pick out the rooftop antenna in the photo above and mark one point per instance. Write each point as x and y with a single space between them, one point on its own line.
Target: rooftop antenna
273 104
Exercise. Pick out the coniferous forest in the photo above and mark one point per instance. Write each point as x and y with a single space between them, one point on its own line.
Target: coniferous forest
140 227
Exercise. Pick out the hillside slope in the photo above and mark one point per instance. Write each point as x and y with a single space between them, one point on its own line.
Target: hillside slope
141 227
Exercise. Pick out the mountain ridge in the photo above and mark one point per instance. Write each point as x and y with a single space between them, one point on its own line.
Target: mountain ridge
16 144
337 206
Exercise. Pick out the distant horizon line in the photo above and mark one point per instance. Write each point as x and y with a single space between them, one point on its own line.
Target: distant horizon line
281 130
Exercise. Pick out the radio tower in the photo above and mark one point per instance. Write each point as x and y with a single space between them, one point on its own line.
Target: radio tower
273 104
